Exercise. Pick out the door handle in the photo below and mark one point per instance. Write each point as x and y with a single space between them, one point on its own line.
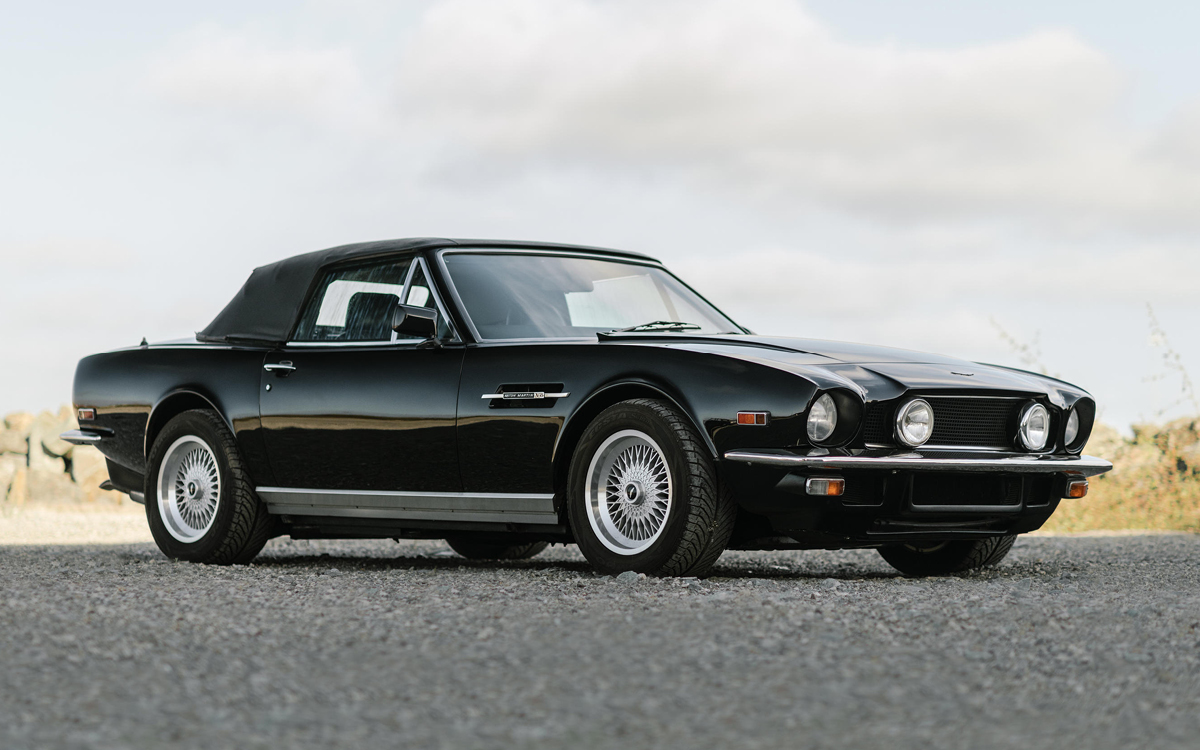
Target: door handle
283 368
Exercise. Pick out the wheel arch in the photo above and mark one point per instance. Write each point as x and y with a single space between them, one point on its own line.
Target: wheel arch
172 405
599 400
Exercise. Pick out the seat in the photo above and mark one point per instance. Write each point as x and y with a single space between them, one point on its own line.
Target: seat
369 317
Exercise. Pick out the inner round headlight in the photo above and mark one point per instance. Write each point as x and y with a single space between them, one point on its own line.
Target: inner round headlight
1072 430
914 422
1035 427
822 419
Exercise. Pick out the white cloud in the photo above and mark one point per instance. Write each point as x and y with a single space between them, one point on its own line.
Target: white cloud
761 99
218 68
790 281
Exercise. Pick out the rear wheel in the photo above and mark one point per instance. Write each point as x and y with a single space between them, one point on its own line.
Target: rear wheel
944 558
643 493
200 502
475 549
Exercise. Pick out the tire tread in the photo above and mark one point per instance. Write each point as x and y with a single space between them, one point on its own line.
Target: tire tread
250 526
710 509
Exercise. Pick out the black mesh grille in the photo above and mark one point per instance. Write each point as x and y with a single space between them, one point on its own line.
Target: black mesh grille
978 422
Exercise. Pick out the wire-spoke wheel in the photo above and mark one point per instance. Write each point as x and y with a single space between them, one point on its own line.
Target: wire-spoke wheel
628 490
189 488
200 502
643 495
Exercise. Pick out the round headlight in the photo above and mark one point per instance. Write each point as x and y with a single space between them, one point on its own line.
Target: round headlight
1035 427
1072 430
914 423
822 419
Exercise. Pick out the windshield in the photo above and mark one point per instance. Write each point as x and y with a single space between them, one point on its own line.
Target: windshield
510 296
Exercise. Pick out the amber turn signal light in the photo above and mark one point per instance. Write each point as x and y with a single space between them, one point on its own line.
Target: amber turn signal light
85 415
754 417
825 487
1077 488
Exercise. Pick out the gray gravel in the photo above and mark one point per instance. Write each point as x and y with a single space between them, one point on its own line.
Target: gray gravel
1071 642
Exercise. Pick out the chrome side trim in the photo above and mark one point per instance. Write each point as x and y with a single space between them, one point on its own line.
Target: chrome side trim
481 507
1085 465
80 437
525 395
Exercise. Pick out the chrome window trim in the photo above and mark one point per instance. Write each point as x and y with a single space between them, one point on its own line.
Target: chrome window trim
457 298
418 261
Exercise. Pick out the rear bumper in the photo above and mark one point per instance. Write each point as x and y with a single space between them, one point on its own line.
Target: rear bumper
1087 466
83 437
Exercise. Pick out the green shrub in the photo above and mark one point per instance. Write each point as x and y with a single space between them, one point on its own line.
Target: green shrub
1155 482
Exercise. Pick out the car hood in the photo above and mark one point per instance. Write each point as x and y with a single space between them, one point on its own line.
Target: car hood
876 372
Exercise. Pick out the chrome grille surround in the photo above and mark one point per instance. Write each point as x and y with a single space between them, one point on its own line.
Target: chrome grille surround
984 422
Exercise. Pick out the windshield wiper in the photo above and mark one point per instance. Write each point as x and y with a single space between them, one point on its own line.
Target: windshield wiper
659 325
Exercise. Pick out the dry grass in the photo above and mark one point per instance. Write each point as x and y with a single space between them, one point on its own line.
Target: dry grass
1155 483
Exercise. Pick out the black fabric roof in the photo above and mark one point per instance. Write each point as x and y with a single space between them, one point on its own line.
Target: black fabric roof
266 307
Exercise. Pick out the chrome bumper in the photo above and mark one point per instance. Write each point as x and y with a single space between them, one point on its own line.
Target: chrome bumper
1087 466
81 437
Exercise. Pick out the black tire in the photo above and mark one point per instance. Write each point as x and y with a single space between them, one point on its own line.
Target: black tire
947 557
701 513
475 549
240 525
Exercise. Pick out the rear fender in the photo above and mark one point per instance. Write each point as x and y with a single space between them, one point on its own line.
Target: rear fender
174 403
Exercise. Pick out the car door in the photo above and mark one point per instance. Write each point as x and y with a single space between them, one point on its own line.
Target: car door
513 401
349 406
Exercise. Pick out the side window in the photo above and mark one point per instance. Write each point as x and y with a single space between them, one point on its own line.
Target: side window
354 304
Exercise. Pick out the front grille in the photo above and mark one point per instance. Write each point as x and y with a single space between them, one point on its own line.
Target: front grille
957 421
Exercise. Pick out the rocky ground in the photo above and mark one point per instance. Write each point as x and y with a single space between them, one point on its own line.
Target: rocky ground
38 467
1072 642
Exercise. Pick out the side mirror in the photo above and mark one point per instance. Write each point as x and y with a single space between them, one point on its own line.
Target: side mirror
409 320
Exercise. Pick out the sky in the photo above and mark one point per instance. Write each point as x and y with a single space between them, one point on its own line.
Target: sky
1016 183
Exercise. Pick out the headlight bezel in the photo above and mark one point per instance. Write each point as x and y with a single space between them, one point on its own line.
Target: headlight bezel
1070 428
906 410
1024 426
849 407
1085 409
825 405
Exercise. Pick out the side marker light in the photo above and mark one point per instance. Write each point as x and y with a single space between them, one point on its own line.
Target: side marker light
1077 488
754 417
825 487
85 415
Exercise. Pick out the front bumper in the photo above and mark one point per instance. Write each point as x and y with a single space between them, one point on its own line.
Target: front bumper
892 496
1087 466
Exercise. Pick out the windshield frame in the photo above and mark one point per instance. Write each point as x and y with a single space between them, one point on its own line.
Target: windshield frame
470 324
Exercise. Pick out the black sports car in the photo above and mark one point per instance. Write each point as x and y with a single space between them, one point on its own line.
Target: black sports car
507 395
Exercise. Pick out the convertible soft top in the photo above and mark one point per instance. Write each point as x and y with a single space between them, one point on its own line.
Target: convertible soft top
265 309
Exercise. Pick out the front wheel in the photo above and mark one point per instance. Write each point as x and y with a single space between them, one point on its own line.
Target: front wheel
200 502
643 493
944 558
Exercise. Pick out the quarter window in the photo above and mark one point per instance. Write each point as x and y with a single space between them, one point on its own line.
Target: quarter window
419 295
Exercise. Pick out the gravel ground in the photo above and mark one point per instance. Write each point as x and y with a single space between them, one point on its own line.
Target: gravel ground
1071 642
